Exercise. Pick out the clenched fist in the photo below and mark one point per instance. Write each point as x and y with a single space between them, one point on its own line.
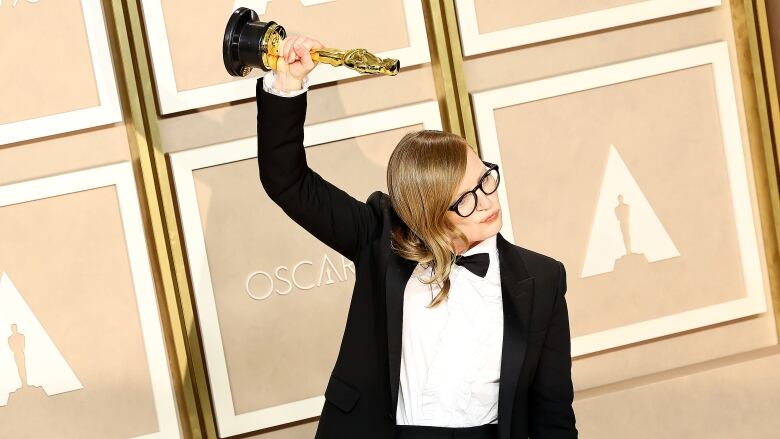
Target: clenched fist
295 62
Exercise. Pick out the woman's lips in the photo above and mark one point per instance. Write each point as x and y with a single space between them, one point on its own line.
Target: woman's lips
491 218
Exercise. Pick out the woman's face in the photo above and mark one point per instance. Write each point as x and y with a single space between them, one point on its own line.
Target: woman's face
485 221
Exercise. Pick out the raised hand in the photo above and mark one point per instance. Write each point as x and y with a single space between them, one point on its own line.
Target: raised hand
295 61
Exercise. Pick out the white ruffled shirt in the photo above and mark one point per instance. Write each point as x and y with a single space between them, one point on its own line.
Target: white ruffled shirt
451 354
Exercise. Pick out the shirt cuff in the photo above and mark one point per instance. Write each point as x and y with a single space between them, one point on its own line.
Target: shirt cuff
268 85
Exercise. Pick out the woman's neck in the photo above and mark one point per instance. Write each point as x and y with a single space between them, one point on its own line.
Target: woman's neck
472 245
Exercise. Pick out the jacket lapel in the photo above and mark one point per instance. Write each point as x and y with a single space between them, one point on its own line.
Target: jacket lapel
399 270
517 290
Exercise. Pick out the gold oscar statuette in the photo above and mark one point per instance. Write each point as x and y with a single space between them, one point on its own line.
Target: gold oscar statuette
250 43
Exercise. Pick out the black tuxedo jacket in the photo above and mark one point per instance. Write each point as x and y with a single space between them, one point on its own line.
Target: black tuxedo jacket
535 389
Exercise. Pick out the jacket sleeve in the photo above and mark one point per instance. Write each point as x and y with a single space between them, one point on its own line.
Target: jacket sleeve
551 394
327 212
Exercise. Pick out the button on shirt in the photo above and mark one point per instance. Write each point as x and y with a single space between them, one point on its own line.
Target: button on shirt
451 353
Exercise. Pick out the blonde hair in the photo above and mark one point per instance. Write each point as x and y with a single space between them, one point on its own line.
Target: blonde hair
423 173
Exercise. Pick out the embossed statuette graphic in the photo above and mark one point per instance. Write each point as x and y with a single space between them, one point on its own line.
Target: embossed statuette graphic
82 352
30 361
635 175
625 228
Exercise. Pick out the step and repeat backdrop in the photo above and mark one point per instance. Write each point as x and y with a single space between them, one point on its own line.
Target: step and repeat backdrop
623 134
61 78
82 352
271 300
620 127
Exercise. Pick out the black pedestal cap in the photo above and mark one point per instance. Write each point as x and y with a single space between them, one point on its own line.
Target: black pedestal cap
244 35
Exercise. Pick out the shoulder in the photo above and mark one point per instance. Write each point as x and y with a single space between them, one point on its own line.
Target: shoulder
378 199
380 204
549 271
538 263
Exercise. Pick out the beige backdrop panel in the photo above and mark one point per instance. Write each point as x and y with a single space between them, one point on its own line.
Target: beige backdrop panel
64 153
600 48
282 348
734 398
666 129
299 430
347 98
47 66
67 257
197 56
494 15
223 123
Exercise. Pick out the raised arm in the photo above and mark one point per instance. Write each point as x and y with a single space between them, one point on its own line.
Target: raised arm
551 415
327 212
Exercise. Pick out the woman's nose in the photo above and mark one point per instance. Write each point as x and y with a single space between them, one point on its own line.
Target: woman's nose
483 201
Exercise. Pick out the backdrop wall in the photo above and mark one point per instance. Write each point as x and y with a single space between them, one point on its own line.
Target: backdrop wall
149 287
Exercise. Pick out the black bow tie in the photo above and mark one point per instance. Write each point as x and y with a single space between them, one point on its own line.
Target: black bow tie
477 263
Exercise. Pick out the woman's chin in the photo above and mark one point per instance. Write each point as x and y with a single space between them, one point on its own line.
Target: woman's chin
496 224
491 229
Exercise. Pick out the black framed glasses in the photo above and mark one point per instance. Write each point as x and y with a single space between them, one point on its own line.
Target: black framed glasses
466 204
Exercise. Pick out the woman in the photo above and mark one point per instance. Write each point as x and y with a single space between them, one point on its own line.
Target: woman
484 348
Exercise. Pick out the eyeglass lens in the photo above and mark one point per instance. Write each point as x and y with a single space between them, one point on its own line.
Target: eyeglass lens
468 203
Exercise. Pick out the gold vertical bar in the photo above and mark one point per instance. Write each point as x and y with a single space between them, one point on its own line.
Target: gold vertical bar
459 74
137 139
760 100
765 87
447 63
765 49
161 222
